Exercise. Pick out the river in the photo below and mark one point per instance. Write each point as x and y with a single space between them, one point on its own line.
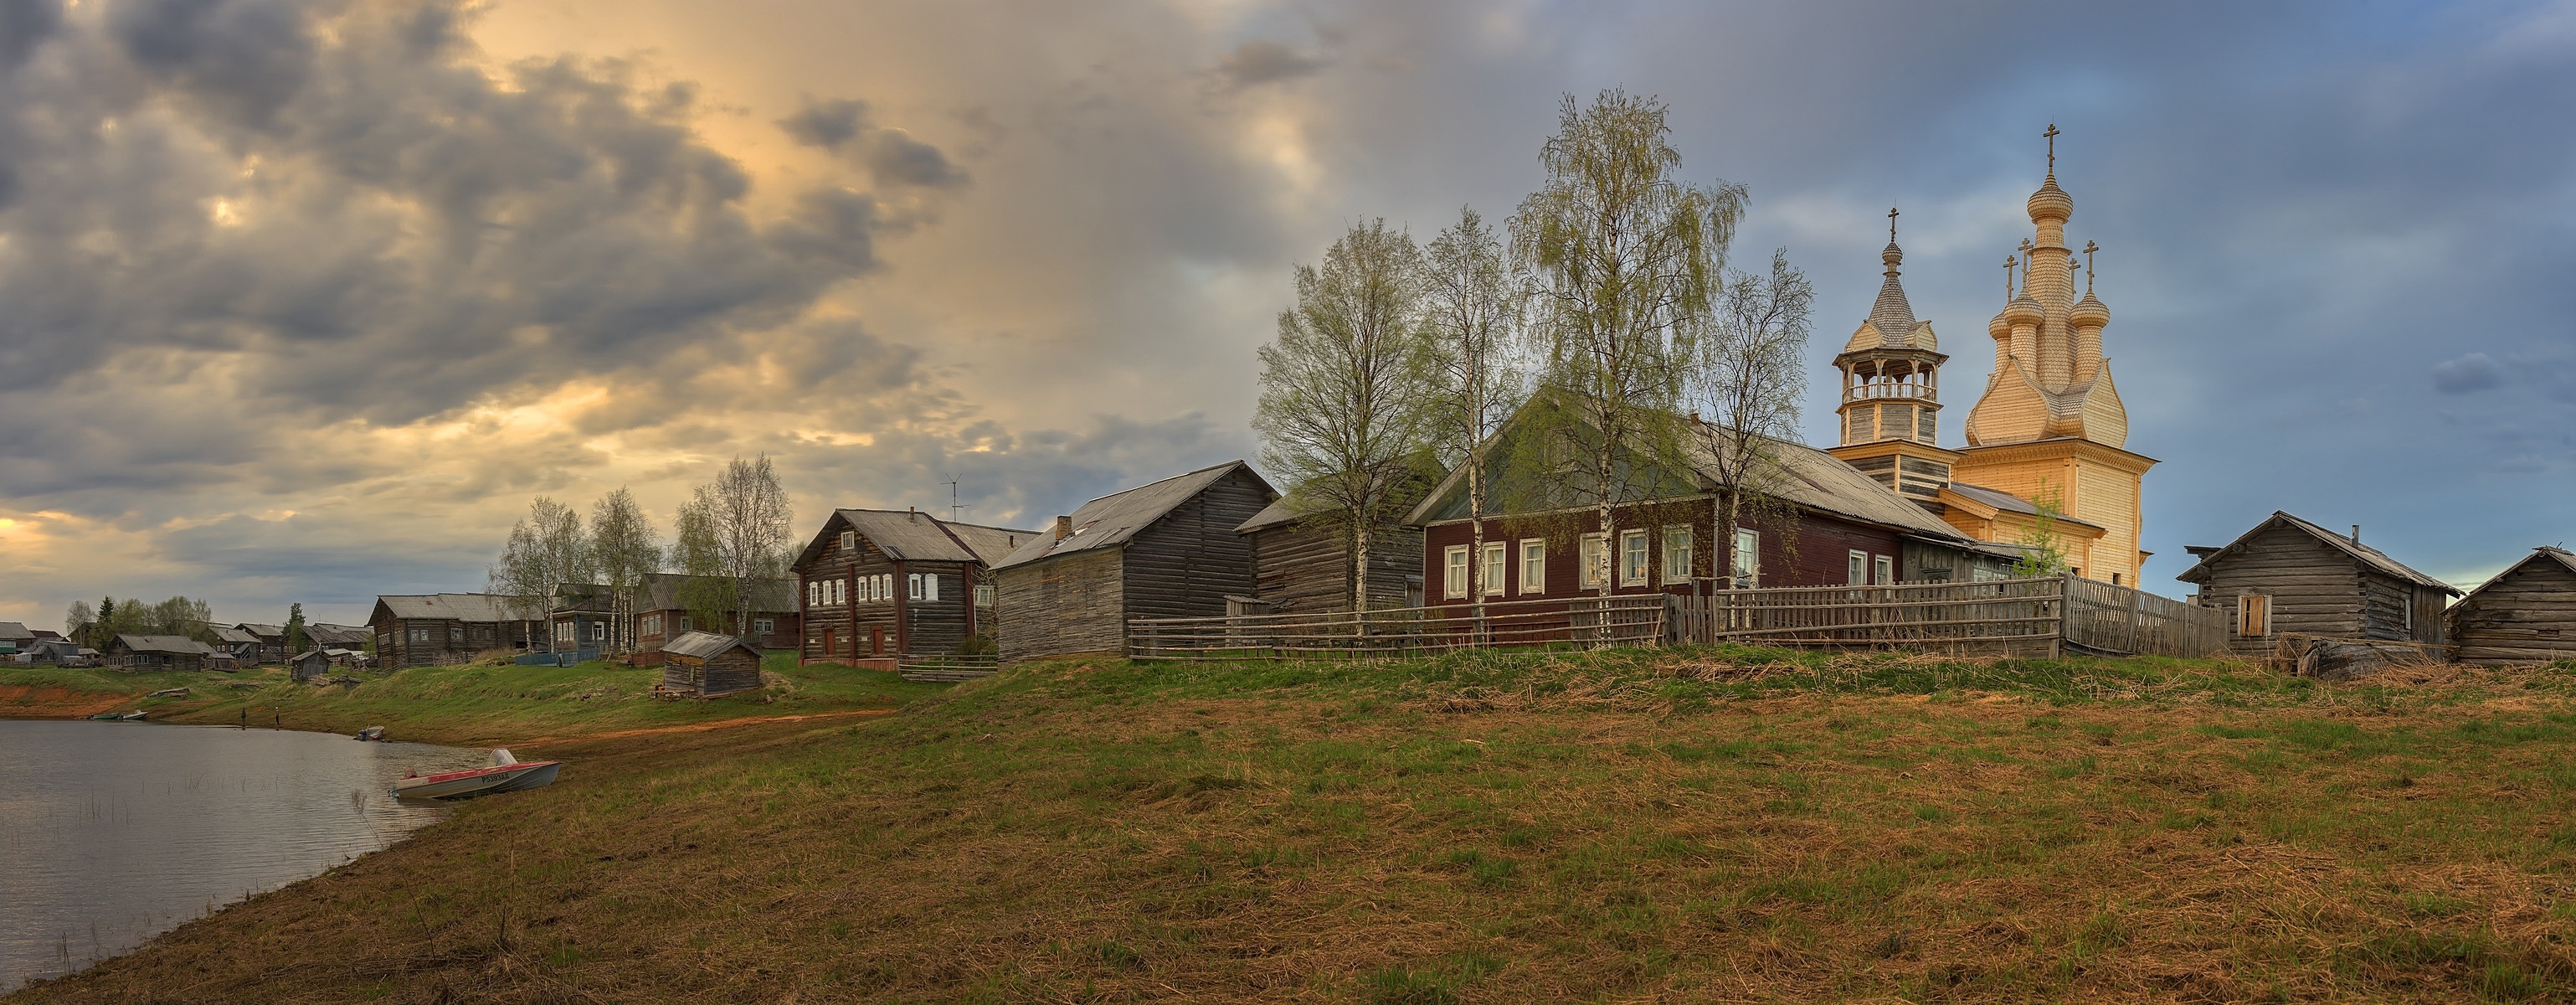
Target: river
113 832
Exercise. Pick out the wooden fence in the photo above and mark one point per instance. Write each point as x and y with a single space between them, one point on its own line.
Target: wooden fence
947 667
1581 622
2047 616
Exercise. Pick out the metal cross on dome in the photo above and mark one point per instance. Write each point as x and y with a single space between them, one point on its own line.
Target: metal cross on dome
2052 147
1891 224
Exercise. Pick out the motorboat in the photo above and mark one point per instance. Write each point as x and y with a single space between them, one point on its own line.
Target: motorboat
371 733
507 774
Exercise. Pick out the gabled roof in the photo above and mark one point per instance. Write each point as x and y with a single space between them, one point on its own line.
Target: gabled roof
1280 511
2544 553
704 645
455 606
263 631
2006 502
14 630
235 636
179 645
915 536
768 596
2369 557
1113 520
336 635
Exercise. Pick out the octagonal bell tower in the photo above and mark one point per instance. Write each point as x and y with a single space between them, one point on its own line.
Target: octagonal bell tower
1891 392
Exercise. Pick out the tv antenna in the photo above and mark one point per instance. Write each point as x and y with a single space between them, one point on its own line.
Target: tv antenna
953 508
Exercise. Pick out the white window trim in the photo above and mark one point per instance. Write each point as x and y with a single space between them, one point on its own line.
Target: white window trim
930 587
1453 572
912 587
764 626
1883 569
1533 565
1746 562
1856 568
1643 571
1497 567
1688 549
1592 560
849 540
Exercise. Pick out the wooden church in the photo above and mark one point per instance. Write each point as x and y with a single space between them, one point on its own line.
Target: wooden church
2049 429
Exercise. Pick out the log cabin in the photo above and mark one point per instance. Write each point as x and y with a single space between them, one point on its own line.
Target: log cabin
1168 549
272 640
244 646
1303 564
309 665
328 636
710 665
2526 614
579 617
1830 524
663 614
2289 575
418 630
140 653
878 585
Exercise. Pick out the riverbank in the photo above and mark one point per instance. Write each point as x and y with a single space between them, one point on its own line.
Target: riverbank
1711 824
483 705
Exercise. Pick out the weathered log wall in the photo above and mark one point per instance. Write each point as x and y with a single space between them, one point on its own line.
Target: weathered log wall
2527 615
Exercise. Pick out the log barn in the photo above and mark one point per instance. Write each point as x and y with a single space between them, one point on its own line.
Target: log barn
662 614
1168 549
710 665
882 584
1303 564
2526 614
2289 575
430 629
1832 525
157 652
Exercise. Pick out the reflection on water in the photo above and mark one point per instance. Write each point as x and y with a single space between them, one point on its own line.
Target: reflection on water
113 832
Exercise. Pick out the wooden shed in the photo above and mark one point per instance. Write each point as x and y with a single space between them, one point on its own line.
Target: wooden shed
1168 549
309 665
1304 565
710 664
2289 575
2526 614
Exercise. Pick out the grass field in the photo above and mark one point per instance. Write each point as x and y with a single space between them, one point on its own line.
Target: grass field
1678 825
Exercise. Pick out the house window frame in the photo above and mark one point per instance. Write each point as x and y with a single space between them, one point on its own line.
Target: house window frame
1856 568
1498 559
1592 560
1533 565
930 587
912 587
764 626
1453 572
684 624
1882 569
1681 549
1745 564
849 540
985 595
2245 620
1636 564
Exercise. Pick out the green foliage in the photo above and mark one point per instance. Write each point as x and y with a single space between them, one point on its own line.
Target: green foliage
296 642
2044 548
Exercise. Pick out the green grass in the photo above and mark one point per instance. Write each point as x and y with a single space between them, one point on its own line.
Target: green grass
1714 824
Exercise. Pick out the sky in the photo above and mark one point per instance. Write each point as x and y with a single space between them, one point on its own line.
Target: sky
306 300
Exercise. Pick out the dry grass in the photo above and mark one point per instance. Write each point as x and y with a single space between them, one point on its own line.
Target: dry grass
1724 826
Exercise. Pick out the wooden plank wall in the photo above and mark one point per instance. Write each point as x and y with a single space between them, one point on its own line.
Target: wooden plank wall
1300 568
1064 605
1186 563
2528 616
2315 589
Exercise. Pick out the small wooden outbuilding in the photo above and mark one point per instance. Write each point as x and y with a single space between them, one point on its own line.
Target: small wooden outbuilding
309 665
2288 575
2526 614
710 664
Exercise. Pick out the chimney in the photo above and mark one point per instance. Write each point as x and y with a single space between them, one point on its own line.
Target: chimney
1063 527
2356 533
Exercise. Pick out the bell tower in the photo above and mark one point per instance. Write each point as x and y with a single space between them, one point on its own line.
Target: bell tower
1891 392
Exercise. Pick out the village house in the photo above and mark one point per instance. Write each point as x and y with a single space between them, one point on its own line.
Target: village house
15 638
2289 575
1304 564
272 640
431 629
709 664
353 638
1168 549
139 653
579 617
2525 614
881 584
662 614
1830 525
244 646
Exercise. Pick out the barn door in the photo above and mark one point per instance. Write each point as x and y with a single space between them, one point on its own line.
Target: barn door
2253 615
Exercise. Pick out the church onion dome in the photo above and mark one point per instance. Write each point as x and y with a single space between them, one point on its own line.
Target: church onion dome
2001 326
2051 202
2089 313
2024 311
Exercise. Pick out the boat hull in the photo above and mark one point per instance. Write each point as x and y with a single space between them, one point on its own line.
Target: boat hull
478 781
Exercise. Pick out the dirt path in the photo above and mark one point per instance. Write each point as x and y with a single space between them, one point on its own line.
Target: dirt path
700 727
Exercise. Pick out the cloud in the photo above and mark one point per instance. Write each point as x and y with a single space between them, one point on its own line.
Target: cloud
891 156
2467 374
1262 61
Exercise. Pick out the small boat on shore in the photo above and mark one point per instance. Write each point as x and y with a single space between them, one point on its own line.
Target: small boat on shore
117 717
371 733
176 692
505 775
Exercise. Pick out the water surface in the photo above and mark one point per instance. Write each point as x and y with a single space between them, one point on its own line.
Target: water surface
113 832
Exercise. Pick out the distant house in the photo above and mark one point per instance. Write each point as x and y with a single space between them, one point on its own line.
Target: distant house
580 616
1169 549
880 584
243 645
2289 575
413 630
140 653
710 664
662 614
2526 614
15 637
350 637
1303 564
272 640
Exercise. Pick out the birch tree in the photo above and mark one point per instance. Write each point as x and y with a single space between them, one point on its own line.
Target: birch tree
546 549
1341 415
1753 376
734 532
624 550
1473 312
1628 262
77 619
